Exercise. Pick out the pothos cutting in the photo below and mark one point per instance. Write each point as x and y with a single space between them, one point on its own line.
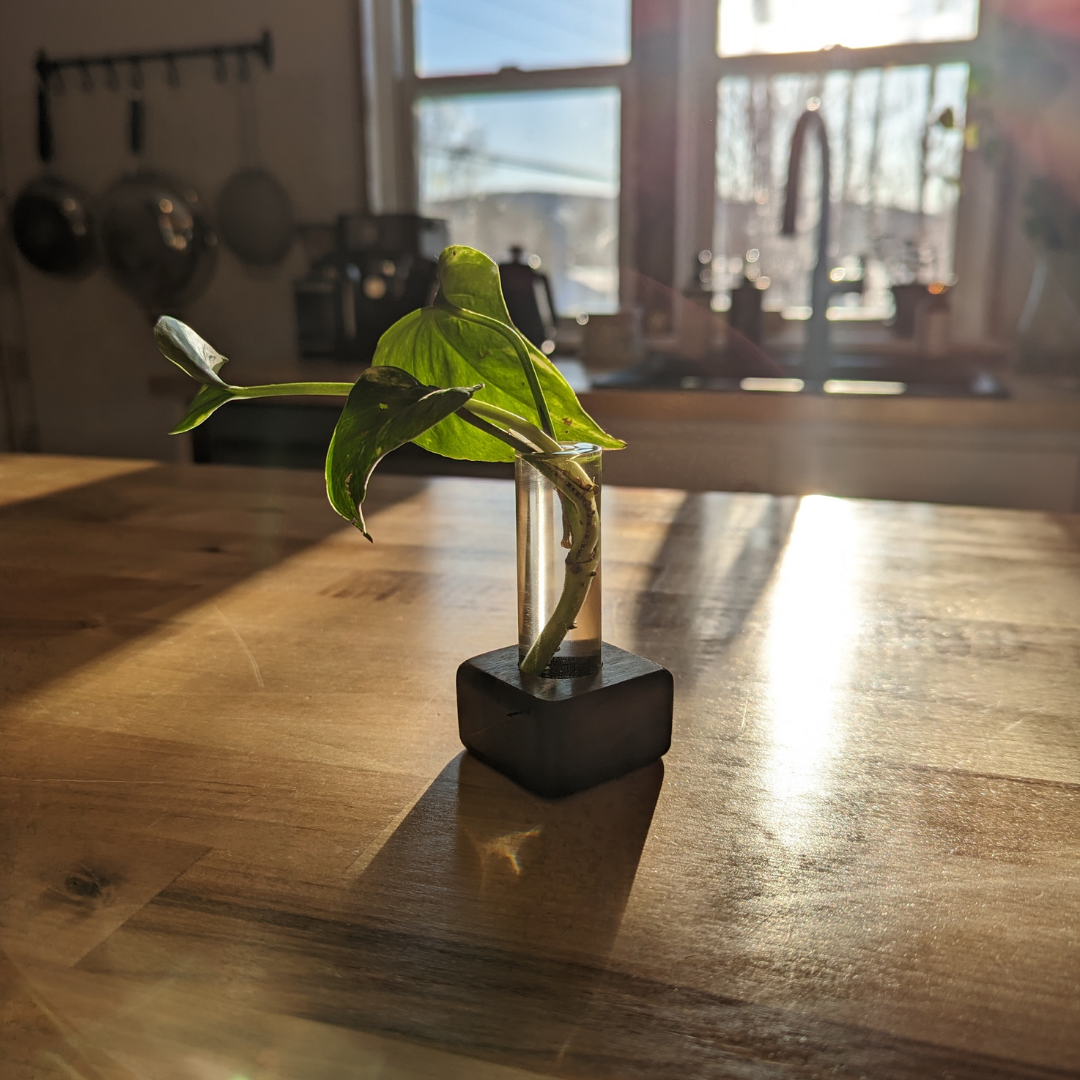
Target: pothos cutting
456 378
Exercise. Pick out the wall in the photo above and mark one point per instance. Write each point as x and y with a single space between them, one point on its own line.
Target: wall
90 350
1027 108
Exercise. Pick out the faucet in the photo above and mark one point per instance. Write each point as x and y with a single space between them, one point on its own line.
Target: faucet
816 356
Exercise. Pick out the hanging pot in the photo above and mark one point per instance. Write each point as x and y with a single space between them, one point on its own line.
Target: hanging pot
51 219
156 236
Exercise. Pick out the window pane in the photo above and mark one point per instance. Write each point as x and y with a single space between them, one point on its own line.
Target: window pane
536 169
783 26
456 37
895 138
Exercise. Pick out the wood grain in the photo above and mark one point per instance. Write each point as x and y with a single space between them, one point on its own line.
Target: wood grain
238 836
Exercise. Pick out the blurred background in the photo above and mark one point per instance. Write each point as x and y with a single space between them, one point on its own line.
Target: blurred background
778 245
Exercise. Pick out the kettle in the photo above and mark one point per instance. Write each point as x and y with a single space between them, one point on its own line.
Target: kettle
528 300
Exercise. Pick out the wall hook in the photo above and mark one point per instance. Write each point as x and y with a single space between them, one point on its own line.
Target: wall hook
262 49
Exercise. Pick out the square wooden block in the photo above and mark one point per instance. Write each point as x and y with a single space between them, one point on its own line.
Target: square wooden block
558 736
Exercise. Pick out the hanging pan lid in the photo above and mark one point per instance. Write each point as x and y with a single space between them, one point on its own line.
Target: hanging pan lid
255 217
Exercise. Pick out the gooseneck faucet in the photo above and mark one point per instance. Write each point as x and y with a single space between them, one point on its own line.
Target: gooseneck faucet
816 356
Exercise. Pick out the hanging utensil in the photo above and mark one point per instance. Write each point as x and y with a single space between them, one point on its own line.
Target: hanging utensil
255 215
156 237
51 219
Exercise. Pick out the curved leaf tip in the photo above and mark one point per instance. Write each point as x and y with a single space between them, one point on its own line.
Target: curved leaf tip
189 352
469 279
386 407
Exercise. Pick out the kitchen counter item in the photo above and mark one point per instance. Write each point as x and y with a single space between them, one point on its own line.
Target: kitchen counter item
51 220
908 298
238 821
528 299
155 233
382 267
254 212
255 217
53 227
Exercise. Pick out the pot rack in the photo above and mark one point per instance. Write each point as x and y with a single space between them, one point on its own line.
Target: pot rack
51 79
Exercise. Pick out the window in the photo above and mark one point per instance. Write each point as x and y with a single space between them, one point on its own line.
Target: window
527 124
537 169
895 135
516 106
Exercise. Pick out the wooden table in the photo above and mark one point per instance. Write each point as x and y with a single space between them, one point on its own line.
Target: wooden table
238 837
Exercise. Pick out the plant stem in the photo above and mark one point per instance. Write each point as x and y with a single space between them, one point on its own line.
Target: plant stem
582 519
492 413
577 491
520 347
324 389
496 433
542 443
581 522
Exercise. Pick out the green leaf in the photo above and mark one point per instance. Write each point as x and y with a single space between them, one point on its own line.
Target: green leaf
443 349
202 405
386 407
188 351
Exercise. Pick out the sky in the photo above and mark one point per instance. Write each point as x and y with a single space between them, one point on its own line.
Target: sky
469 36
564 141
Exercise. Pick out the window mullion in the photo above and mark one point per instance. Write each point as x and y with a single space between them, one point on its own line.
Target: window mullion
696 120
509 80
387 48
842 59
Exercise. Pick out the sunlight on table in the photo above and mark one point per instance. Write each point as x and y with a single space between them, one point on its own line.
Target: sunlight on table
813 616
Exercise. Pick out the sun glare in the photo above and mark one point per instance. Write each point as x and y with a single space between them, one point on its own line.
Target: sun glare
790 26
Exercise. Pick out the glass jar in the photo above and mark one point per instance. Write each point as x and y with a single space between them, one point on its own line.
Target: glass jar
558 561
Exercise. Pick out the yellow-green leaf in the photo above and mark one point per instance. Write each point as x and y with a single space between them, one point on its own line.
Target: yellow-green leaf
441 348
386 407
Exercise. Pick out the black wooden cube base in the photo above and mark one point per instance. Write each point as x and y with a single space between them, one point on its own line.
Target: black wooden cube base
558 736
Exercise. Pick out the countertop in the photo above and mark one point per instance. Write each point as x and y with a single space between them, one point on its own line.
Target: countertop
1034 404
1026 413
239 837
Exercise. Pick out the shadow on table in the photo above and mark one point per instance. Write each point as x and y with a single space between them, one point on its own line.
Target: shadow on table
494 913
1070 527
484 860
88 569
701 592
